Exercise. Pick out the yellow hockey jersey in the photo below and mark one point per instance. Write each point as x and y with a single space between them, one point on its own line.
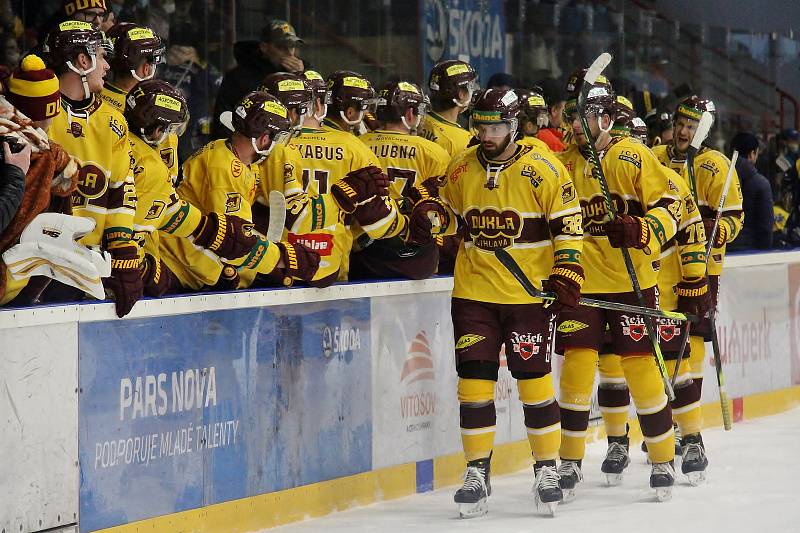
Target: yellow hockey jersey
159 209
408 160
114 96
98 136
449 135
639 186
535 143
710 170
214 179
313 220
526 205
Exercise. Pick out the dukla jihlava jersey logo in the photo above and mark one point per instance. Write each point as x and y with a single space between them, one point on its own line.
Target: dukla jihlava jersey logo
491 229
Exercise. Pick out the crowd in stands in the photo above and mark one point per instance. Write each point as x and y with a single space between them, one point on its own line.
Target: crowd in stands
113 114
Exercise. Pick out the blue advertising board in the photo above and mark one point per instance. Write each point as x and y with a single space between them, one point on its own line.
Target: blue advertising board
184 411
469 30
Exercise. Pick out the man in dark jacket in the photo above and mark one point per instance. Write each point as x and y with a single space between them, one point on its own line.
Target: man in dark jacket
276 52
759 219
12 182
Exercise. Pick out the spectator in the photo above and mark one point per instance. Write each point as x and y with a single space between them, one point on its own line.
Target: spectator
759 218
188 72
93 11
276 52
9 52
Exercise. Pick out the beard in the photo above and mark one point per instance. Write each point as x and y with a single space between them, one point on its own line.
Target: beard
495 150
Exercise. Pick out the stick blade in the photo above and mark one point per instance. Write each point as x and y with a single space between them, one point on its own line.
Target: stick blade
277 216
700 134
597 68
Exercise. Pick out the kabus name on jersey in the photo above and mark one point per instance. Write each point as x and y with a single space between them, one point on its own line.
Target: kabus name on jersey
312 151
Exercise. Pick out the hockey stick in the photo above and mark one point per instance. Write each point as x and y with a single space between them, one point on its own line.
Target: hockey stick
277 216
597 172
513 267
727 422
700 134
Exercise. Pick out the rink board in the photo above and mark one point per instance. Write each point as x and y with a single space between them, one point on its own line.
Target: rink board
236 412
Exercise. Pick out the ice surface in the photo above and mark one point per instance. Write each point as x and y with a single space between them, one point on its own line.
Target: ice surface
753 487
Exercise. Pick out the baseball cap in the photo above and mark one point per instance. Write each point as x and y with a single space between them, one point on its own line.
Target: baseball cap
280 32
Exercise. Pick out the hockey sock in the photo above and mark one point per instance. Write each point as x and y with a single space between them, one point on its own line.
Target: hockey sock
696 357
613 396
652 406
542 416
478 417
575 391
686 406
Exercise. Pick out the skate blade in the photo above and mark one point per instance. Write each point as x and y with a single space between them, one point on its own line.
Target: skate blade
696 478
664 494
549 508
473 510
569 495
613 480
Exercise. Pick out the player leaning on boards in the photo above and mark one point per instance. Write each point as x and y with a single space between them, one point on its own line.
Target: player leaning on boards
506 196
97 134
136 55
416 167
647 219
222 177
682 287
154 110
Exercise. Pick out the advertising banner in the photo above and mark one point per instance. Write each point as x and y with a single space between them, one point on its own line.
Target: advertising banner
469 30
191 410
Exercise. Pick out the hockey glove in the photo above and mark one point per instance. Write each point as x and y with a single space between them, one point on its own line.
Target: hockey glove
157 278
626 231
359 186
721 238
427 214
565 282
228 280
298 262
228 236
693 296
125 283
427 189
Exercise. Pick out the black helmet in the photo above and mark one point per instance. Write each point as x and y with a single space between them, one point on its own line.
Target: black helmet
395 98
446 80
152 104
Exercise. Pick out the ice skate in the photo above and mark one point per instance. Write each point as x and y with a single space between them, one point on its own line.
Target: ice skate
694 460
662 478
546 490
570 475
617 459
473 497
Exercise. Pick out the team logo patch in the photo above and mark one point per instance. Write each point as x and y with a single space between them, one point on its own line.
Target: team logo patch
75 129
526 345
288 172
634 328
233 202
470 339
571 326
168 156
92 182
529 172
667 332
155 210
567 193
236 168
491 229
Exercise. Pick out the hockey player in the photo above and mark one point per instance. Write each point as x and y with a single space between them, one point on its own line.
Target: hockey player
336 161
681 287
154 110
223 177
506 196
312 219
710 170
647 219
452 84
96 134
416 167
137 53
532 117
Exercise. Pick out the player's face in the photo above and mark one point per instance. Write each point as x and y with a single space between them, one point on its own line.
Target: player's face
494 138
683 132
95 78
